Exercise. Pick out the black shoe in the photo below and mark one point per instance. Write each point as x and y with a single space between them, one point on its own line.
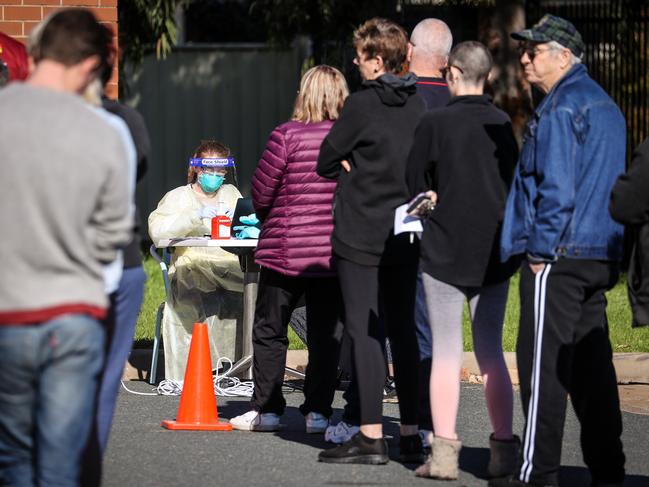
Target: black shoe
411 449
360 449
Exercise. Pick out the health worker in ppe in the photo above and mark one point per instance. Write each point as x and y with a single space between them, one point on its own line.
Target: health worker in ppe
206 283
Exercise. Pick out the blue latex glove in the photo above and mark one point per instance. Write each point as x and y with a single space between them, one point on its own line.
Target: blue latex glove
249 220
207 212
246 232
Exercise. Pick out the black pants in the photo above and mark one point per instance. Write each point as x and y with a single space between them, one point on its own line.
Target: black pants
425 341
277 297
563 348
351 413
380 299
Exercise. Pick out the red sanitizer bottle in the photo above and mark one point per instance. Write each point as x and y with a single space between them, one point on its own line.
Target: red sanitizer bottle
221 225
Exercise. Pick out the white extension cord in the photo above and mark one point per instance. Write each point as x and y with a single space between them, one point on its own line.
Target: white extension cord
224 385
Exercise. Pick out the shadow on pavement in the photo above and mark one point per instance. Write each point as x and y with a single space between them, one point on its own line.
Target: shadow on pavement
579 476
474 460
636 481
230 409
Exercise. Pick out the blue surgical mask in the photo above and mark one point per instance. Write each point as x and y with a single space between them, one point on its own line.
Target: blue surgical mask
210 182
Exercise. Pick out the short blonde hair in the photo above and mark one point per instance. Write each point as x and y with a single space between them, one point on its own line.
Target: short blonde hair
323 90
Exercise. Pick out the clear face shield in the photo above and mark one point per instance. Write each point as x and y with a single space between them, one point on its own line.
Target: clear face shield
211 168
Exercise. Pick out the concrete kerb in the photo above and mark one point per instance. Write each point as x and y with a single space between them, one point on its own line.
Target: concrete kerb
631 368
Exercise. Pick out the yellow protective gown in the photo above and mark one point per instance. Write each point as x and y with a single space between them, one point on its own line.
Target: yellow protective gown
206 283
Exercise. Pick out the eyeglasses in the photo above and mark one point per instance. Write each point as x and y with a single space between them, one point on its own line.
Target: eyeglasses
210 170
531 51
447 69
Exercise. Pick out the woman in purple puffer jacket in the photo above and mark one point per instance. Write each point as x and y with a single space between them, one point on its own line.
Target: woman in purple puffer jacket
294 253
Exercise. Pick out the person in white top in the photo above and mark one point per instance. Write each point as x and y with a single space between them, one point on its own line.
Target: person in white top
206 283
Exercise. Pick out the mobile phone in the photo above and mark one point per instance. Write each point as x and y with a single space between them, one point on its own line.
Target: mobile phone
421 205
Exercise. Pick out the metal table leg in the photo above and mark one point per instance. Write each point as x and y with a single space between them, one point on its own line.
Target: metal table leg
250 283
250 280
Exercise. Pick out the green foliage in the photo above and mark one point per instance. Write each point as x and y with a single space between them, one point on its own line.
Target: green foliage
154 294
329 23
623 337
144 24
215 21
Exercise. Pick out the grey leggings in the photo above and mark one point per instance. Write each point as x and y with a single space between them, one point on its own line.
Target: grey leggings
445 304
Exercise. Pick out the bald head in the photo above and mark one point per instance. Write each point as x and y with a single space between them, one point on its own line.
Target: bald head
474 59
432 41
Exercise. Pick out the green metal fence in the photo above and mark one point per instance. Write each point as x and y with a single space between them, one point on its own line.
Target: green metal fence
234 93
617 51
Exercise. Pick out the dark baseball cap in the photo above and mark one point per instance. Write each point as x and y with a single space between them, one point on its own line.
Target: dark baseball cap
553 28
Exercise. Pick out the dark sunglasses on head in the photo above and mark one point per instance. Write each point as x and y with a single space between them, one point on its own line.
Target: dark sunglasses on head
447 69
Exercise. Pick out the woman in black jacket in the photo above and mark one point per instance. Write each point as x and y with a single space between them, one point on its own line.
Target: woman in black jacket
466 153
366 151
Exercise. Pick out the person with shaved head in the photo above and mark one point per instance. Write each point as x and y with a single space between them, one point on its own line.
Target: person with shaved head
430 46
463 157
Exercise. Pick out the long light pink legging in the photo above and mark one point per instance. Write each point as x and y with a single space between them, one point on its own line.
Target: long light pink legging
445 305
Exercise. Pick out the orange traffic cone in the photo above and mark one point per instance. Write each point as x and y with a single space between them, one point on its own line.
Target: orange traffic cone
197 409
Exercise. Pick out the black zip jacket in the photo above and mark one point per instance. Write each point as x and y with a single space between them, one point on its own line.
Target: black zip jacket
142 142
374 133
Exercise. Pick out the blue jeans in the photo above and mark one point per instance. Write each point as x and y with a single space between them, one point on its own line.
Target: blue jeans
125 306
48 379
425 343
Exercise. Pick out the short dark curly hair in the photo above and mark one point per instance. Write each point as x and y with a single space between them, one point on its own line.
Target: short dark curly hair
382 37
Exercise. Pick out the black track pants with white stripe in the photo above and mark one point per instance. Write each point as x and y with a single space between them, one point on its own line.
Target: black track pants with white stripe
563 348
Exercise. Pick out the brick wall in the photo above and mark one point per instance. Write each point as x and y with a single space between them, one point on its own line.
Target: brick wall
19 17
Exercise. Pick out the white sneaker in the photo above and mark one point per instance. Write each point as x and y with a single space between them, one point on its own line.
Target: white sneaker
253 421
316 423
340 433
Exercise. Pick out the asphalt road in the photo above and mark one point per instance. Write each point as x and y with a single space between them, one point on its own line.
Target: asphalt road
141 453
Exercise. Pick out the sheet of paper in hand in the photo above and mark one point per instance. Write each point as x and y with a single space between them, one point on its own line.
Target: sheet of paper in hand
406 223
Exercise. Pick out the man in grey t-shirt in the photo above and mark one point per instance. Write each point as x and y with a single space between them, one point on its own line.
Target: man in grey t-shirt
66 210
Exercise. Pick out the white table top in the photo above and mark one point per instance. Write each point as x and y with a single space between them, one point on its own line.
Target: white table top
206 242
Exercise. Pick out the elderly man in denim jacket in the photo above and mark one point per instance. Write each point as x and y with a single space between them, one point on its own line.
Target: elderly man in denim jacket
557 218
